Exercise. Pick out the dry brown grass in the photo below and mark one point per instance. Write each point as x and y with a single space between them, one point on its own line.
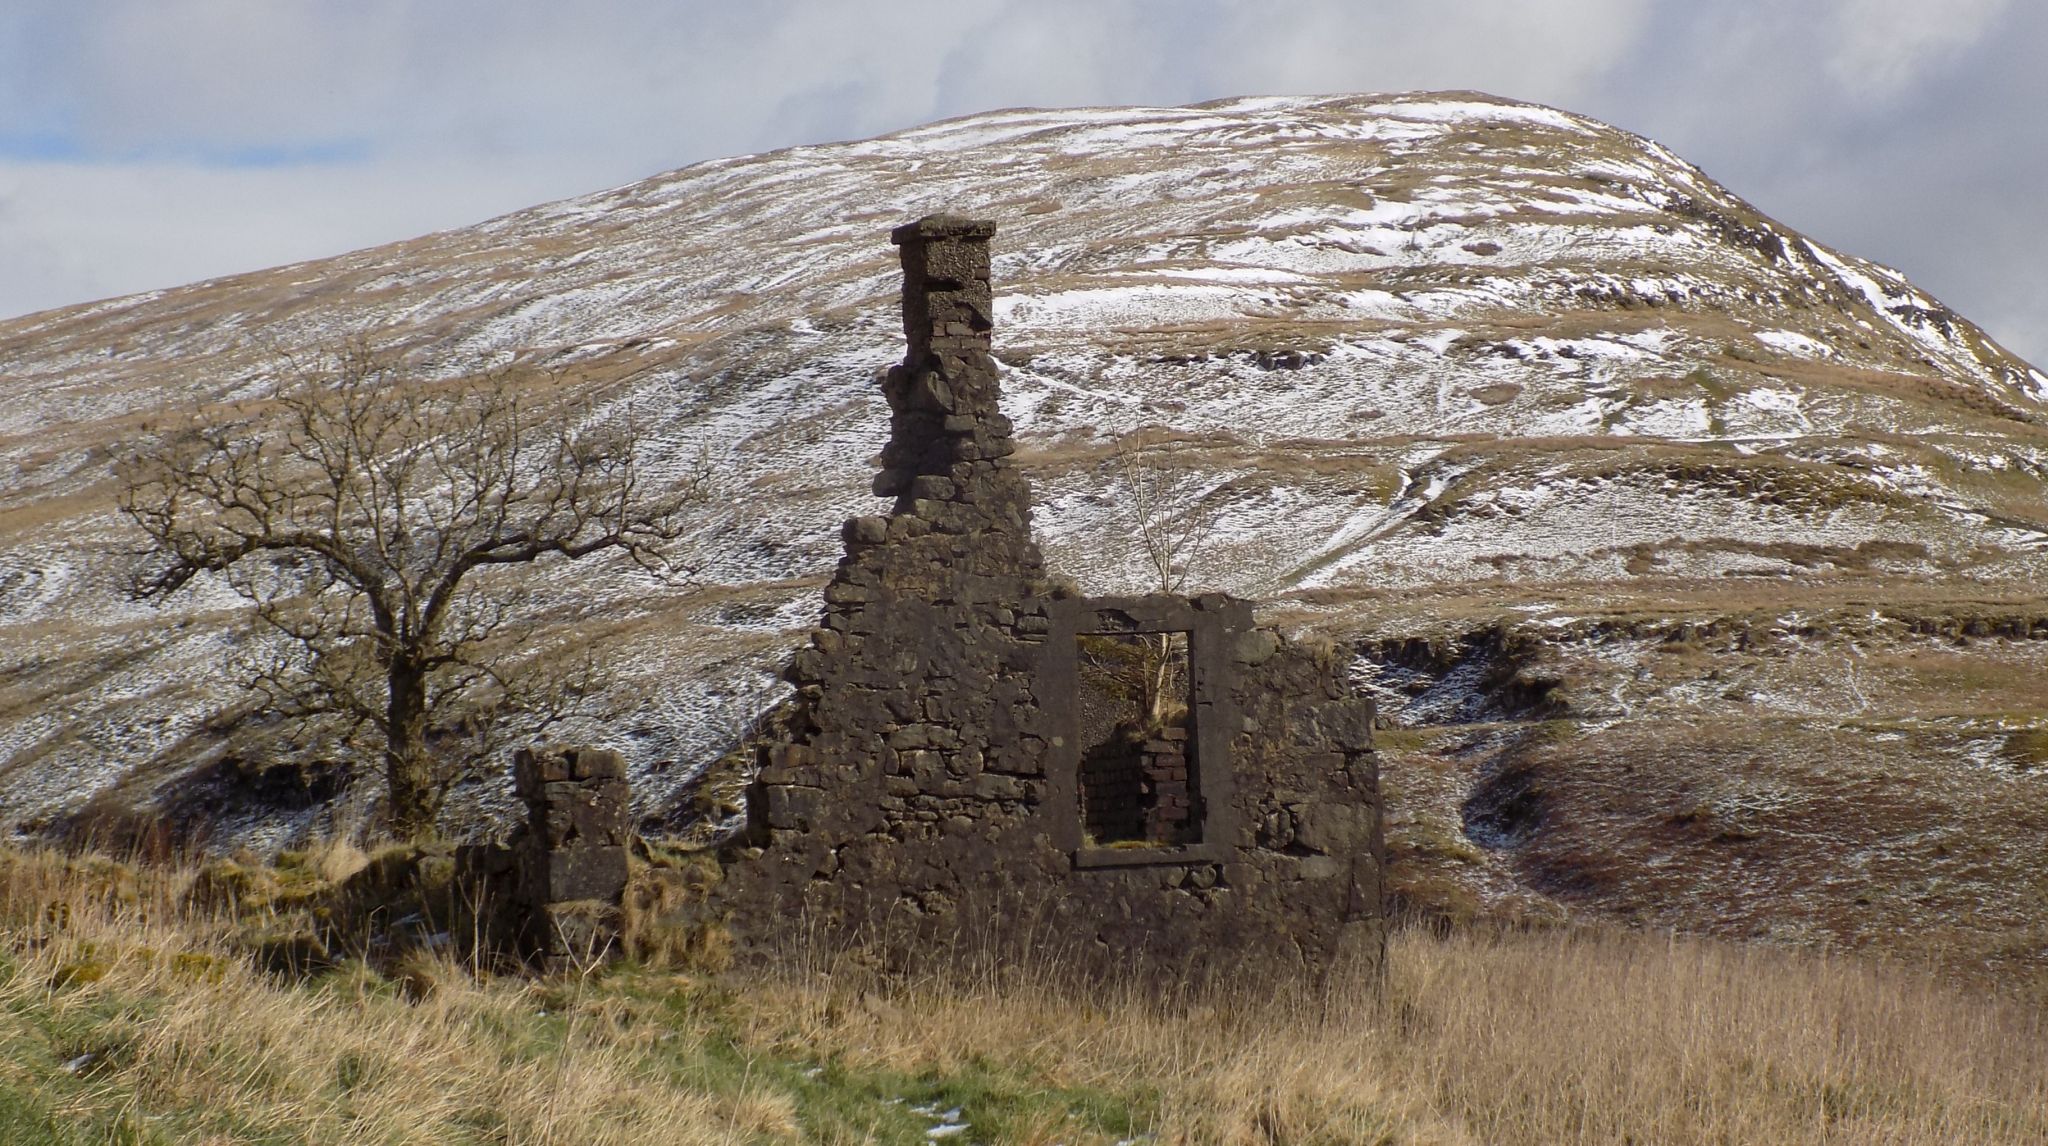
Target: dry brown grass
1498 1038
1475 1038
176 1037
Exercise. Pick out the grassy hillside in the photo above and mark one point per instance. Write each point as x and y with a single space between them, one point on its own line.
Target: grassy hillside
1419 344
130 1012
1845 770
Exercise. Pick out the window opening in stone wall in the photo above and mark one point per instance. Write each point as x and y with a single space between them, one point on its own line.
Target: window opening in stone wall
1139 784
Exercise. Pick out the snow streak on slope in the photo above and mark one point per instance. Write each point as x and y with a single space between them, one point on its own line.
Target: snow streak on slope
1416 339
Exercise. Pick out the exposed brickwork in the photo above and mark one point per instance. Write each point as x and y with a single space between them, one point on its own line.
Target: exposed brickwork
1135 788
931 792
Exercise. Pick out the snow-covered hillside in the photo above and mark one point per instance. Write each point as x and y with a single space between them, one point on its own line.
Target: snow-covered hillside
1423 347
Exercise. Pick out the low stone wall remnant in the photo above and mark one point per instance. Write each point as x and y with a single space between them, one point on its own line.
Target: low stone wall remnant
554 893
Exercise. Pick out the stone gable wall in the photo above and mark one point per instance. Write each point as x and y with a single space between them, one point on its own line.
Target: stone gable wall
928 796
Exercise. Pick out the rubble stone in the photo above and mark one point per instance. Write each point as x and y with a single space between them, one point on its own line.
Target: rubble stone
571 853
930 799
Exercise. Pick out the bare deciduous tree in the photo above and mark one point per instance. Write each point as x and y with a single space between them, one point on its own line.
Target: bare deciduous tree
1165 497
372 519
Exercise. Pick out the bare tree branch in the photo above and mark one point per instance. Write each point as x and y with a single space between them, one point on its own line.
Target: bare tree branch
1166 499
355 511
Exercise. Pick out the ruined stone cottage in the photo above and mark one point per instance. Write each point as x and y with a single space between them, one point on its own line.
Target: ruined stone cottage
1146 783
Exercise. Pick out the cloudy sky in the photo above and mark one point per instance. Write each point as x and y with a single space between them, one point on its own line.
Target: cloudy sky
145 143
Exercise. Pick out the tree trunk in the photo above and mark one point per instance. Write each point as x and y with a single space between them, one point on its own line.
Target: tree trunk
408 770
1161 682
1157 655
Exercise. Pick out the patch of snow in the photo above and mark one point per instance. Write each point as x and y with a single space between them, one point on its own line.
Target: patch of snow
1794 343
1462 111
946 1123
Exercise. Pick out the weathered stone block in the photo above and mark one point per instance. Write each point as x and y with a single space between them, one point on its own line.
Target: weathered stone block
581 873
792 808
1256 647
932 487
537 766
930 392
994 786
910 736
1334 725
960 262
870 530
596 764
1320 867
1335 829
840 593
576 819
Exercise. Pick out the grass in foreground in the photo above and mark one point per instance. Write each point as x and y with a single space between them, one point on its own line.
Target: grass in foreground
127 1017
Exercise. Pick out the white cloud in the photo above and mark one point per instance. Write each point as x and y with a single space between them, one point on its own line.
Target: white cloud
71 232
462 109
1549 52
1886 46
227 74
493 76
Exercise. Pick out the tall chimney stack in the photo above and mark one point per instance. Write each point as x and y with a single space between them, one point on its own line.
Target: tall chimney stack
946 427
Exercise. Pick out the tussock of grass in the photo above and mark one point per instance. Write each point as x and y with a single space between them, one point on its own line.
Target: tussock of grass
1502 1038
1478 1037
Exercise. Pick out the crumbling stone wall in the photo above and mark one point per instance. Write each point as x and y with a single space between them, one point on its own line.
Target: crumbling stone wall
572 855
930 791
553 894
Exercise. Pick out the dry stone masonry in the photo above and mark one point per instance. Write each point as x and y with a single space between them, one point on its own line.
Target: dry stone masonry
1148 785
552 894
571 856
